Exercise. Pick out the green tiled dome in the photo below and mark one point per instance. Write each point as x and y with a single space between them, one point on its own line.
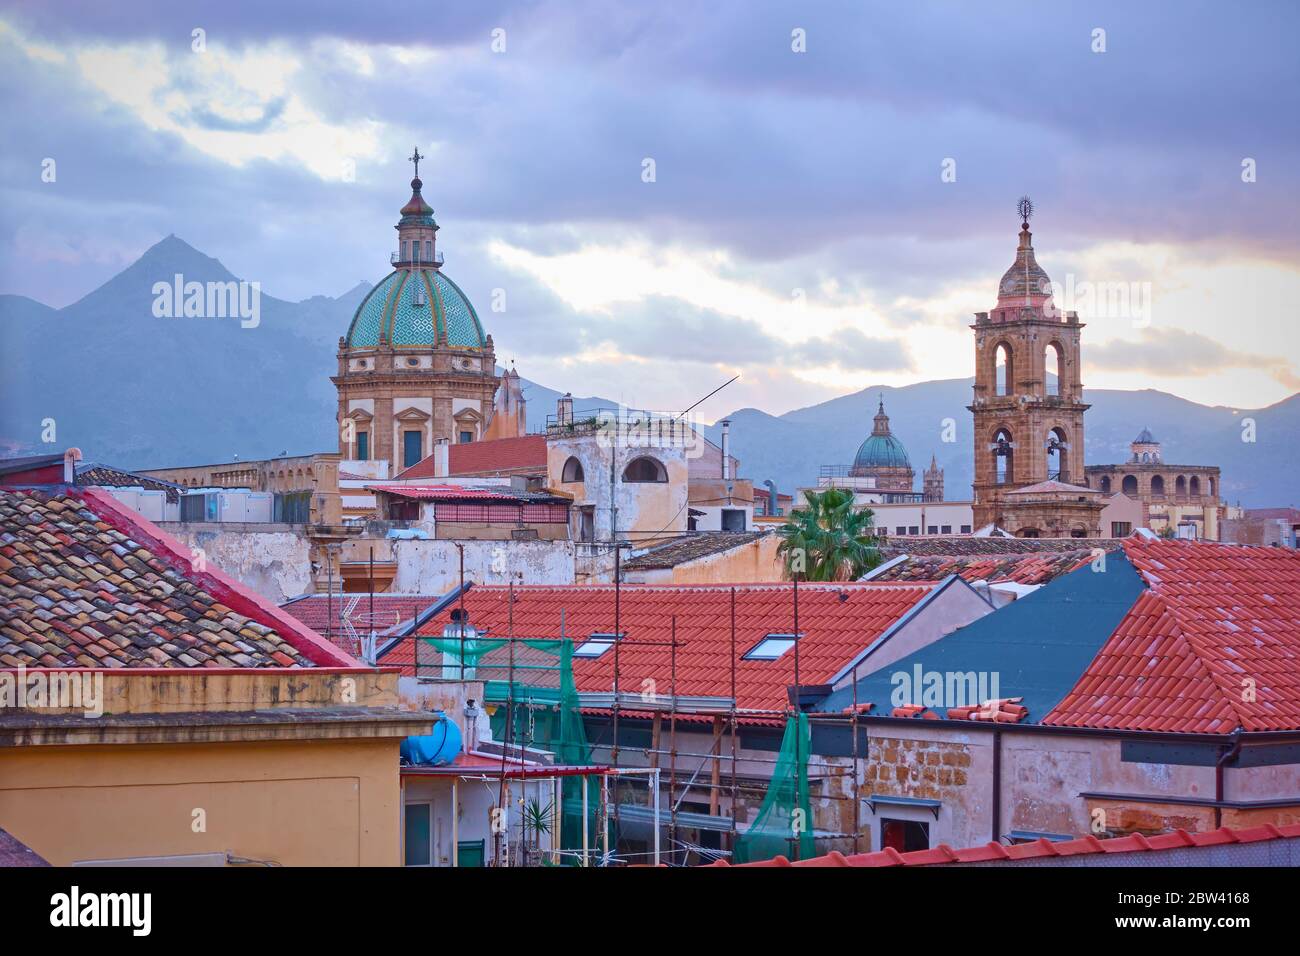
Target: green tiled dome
390 313
882 451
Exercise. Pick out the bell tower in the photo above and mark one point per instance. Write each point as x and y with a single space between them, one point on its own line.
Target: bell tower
1028 406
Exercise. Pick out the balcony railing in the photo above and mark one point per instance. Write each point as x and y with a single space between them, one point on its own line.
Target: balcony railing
397 259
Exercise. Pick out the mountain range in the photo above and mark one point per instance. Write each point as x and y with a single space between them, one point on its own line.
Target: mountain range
137 391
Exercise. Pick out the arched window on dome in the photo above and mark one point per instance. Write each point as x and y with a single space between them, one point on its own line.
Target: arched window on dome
644 470
1003 370
572 471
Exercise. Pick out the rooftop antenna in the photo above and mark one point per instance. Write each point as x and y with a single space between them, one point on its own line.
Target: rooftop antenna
707 397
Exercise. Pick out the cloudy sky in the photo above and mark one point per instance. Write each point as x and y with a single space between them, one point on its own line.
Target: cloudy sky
833 190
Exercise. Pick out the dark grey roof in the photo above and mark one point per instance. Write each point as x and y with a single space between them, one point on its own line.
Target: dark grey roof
1038 646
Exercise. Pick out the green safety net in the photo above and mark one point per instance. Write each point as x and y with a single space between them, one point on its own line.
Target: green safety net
784 823
545 715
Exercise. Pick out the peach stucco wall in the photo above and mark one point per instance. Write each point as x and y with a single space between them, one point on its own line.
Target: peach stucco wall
297 803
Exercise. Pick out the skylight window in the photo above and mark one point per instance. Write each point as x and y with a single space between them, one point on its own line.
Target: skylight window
596 645
771 647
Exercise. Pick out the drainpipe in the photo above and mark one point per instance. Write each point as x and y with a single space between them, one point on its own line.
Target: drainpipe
996 837
1230 753
726 449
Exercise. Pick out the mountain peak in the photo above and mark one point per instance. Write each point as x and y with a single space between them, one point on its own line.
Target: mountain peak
161 262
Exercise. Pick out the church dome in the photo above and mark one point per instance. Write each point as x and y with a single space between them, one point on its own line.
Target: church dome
881 449
1025 277
416 308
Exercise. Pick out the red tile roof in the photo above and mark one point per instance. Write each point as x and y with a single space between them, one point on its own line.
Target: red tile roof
331 615
1213 645
835 629
86 582
1041 849
443 493
523 455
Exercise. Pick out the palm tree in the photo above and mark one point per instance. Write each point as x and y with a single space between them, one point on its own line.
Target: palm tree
828 539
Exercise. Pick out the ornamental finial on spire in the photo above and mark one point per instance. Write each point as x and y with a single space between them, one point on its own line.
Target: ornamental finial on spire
415 157
1026 209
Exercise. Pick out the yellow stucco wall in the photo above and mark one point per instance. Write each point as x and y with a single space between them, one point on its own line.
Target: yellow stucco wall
298 803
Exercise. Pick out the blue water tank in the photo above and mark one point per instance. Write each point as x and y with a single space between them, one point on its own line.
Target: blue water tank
436 749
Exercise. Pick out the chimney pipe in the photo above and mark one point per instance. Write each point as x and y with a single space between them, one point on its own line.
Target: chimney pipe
70 459
441 458
726 449
564 410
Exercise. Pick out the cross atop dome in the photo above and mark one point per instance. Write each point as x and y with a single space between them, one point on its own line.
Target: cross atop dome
415 157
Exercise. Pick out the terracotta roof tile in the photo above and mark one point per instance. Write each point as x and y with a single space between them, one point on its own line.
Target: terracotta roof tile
691 548
523 455
966 544
1033 568
77 590
834 629
1039 849
1212 646
342 618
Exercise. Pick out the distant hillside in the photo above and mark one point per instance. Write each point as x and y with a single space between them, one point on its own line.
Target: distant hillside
791 448
141 391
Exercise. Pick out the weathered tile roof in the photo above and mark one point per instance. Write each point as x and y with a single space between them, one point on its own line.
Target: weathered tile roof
13 852
77 589
1035 568
958 545
691 548
106 476
1213 645
1044 849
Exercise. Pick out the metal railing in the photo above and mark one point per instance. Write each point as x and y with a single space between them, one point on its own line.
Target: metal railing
398 259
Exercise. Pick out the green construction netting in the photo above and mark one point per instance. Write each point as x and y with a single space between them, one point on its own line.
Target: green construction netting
545 714
784 823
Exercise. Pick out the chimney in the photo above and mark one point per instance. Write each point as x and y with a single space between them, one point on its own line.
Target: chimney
441 458
564 410
70 459
726 449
